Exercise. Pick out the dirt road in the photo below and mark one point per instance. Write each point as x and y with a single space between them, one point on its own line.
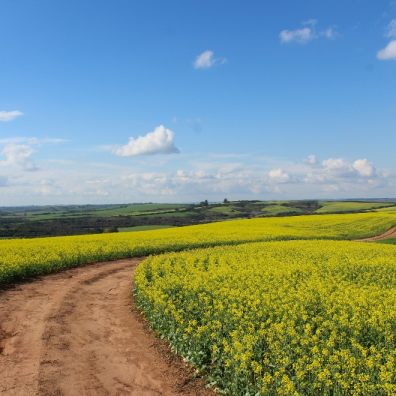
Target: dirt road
77 333
391 233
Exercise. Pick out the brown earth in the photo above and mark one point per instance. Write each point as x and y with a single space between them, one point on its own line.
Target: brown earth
78 333
391 233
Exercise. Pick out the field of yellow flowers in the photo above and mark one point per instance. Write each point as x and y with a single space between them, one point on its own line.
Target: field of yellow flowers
23 258
279 318
272 306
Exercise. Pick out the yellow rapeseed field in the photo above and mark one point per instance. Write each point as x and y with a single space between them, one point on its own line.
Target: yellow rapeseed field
21 258
272 306
279 318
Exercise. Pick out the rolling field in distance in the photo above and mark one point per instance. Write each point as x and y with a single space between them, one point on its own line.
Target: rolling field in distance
94 219
346 206
20 258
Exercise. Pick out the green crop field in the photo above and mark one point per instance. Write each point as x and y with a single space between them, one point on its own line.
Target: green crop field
225 209
143 228
113 210
387 209
391 241
348 206
275 210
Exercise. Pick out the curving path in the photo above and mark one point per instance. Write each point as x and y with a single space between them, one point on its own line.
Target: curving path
391 233
77 333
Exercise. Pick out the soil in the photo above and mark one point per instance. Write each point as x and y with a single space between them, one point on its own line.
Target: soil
391 233
78 333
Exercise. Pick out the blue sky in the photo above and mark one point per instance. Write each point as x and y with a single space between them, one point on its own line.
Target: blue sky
129 101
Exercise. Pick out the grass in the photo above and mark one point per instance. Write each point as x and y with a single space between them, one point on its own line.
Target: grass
144 228
387 209
390 241
274 210
224 209
113 210
349 206
137 208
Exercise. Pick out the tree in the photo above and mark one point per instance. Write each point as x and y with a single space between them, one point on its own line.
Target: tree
225 201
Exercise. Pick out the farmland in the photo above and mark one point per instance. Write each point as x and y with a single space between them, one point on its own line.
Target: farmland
291 317
350 206
27 222
265 306
22 258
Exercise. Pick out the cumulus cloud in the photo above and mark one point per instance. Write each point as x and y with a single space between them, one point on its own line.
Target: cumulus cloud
206 60
301 36
194 178
9 115
306 33
18 155
335 164
389 52
159 141
278 175
311 160
16 152
339 171
364 168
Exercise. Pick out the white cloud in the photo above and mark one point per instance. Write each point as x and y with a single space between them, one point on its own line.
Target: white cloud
306 33
193 178
364 167
31 140
311 160
391 29
16 152
159 141
335 164
329 33
206 60
18 155
9 115
389 52
301 36
278 176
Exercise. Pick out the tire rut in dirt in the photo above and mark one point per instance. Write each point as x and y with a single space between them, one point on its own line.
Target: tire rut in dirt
78 333
89 348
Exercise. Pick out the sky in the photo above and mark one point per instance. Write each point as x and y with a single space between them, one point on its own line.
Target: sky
183 100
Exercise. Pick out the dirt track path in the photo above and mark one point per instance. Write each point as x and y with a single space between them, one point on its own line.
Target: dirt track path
391 233
77 333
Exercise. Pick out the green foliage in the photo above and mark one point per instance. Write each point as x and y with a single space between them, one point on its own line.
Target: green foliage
143 228
349 206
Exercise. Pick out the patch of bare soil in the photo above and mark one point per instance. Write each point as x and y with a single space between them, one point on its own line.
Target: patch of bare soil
391 233
78 333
